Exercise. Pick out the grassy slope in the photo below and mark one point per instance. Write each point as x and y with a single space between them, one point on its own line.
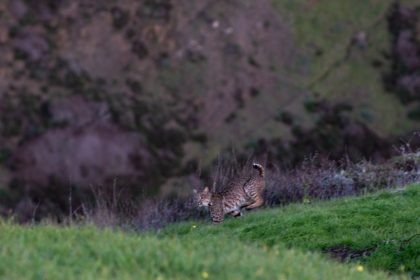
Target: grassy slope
382 220
237 249
89 253
327 27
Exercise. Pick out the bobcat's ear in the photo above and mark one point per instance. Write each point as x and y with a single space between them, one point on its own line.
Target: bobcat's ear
206 189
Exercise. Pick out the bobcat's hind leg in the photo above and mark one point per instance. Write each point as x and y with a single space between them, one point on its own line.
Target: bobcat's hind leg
258 202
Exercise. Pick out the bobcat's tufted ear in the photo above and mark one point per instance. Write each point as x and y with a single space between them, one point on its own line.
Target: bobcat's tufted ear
206 189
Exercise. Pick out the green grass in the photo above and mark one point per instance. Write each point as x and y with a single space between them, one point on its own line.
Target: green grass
329 25
266 244
322 31
88 253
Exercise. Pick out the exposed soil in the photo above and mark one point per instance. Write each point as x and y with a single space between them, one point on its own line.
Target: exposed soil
344 253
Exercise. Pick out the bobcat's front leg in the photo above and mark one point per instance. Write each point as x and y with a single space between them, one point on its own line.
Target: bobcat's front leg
236 213
217 219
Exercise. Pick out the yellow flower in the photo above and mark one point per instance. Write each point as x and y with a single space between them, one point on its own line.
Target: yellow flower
205 274
360 268
402 268
193 226
259 272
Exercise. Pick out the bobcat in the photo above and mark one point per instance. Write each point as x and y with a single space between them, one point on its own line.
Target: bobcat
245 192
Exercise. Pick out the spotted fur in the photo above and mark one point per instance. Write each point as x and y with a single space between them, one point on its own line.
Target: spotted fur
244 192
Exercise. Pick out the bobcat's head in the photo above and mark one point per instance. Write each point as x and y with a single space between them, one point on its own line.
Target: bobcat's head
203 198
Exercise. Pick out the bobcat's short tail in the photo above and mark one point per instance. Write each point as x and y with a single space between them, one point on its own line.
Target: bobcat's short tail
260 168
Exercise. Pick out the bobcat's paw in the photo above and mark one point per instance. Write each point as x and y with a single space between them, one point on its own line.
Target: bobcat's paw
236 214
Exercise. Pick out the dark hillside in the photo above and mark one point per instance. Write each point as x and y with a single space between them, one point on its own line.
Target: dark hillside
139 95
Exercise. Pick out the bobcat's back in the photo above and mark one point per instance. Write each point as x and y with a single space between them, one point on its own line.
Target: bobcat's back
244 191
255 185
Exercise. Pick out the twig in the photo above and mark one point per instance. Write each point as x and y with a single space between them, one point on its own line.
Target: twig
408 240
70 205
34 213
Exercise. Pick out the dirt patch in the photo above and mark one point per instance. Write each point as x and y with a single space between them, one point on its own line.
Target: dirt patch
344 253
84 148
239 45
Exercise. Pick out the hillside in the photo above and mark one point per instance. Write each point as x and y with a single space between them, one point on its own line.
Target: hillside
267 244
151 91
